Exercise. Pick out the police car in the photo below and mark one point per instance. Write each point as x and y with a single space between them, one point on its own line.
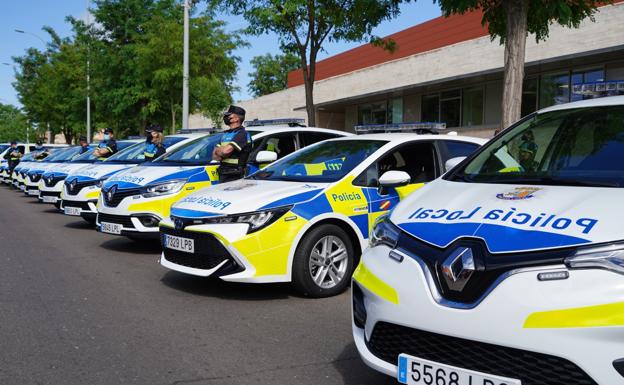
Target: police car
4 165
82 187
303 219
51 183
510 268
133 201
34 173
32 158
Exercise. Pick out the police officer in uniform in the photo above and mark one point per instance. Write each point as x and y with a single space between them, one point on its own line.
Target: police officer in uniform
84 144
154 146
41 151
13 156
107 147
234 148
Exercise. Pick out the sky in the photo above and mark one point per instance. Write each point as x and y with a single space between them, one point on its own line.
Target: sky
31 15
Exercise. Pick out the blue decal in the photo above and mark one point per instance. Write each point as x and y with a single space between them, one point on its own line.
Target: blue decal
499 239
402 370
362 223
317 206
191 213
297 198
178 175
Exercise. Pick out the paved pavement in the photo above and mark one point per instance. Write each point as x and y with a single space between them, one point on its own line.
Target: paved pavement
80 307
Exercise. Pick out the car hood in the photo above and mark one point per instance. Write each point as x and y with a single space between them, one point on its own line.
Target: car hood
511 218
60 169
98 171
244 195
143 175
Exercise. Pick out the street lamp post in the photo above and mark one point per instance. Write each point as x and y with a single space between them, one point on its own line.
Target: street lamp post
88 78
185 71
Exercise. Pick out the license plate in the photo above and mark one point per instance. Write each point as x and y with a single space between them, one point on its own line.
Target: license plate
181 244
48 199
22 187
33 192
72 210
111 228
417 371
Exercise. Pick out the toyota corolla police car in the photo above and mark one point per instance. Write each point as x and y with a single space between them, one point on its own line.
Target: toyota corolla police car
34 173
303 219
133 201
509 269
82 187
51 183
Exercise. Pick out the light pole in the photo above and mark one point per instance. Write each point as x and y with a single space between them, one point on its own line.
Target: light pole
88 76
32 34
185 71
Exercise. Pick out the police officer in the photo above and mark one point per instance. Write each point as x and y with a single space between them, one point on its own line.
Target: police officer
41 151
234 148
154 143
108 145
13 156
84 144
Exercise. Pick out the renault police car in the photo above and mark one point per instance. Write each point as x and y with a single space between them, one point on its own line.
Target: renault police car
4 165
82 187
51 183
133 201
19 172
510 268
303 219
34 173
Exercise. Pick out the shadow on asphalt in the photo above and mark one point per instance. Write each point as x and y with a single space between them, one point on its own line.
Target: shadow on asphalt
212 287
129 246
80 225
355 372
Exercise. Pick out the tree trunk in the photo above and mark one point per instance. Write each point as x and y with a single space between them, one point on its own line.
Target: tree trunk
309 94
515 44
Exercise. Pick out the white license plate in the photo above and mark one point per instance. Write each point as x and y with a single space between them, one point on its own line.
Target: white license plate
417 371
48 199
178 243
33 192
72 210
111 228
23 188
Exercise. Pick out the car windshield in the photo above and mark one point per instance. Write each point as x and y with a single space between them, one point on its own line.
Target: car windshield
63 154
4 147
28 157
324 162
575 147
199 151
88 156
136 152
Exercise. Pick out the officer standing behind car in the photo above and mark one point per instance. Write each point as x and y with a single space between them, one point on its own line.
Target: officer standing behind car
234 148
41 152
107 147
84 144
154 146
13 156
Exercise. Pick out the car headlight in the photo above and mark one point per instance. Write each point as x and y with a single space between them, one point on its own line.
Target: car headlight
166 188
609 257
384 233
256 220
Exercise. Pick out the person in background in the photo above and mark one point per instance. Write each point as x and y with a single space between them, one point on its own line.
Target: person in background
13 156
41 152
234 148
527 152
84 144
154 143
108 145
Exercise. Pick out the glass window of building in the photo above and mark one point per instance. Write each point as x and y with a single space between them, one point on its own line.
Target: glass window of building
554 89
395 111
430 107
372 113
472 107
450 108
529 96
590 76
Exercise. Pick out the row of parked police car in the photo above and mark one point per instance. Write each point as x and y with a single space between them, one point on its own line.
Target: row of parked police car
471 263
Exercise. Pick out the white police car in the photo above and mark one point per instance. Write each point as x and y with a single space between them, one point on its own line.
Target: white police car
4 165
133 201
305 218
34 173
82 187
510 268
51 183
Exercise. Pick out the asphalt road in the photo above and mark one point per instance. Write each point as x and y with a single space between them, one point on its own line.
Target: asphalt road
80 307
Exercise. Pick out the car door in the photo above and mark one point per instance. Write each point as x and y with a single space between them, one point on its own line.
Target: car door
418 159
284 143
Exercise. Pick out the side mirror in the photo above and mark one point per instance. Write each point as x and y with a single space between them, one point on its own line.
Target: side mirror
266 157
453 162
392 179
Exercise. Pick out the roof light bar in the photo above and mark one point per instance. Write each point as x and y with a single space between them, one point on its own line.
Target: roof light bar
417 127
210 130
292 122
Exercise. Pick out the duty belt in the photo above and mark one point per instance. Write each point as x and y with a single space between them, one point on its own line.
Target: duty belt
230 161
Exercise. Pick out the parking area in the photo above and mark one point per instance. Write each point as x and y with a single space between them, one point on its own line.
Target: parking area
82 307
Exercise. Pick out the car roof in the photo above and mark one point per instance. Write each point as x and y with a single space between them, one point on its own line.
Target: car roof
398 137
278 129
598 102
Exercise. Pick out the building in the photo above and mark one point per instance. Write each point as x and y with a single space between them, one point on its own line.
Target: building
449 70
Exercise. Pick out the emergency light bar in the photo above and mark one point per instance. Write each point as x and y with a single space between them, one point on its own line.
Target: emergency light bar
417 127
613 87
291 122
211 130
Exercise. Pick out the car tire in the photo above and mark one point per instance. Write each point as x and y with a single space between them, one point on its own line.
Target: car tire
316 273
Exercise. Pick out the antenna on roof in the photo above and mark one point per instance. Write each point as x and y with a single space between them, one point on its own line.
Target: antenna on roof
420 128
290 122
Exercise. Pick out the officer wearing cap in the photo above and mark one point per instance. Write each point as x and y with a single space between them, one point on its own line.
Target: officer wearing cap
108 145
154 146
527 152
13 156
41 151
234 148
84 144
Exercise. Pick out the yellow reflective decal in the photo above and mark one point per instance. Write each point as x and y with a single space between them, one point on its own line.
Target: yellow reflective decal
347 199
371 282
211 171
406 190
95 194
582 317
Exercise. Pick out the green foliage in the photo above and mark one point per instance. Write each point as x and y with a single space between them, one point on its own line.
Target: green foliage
12 124
541 14
271 73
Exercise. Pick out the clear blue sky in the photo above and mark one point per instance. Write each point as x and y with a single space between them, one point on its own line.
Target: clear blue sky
32 15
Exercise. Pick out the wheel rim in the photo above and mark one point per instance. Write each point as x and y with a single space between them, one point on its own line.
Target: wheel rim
328 262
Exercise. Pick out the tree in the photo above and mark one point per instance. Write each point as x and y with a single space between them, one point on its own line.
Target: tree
511 21
302 26
271 73
12 123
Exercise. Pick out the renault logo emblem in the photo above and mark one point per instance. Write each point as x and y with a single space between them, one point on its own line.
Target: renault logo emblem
458 268
111 193
179 224
72 185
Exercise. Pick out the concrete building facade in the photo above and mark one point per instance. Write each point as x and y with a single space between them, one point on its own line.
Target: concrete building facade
449 70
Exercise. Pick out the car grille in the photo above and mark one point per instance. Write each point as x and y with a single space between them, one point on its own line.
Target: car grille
389 340
119 195
35 177
81 204
51 182
123 220
209 252
77 186
49 194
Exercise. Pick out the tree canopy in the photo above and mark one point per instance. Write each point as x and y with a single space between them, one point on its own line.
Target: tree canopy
271 73
12 123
